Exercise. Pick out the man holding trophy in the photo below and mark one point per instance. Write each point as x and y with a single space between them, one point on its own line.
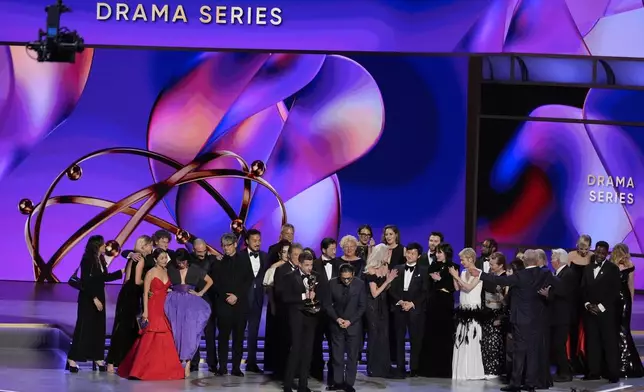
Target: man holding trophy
301 292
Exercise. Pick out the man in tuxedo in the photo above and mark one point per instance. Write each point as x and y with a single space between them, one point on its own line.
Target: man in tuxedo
283 341
209 263
345 306
160 239
258 262
298 289
408 294
600 285
562 297
526 313
429 259
286 234
233 286
488 247
327 268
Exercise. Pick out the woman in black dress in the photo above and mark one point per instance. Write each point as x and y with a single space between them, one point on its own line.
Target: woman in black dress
493 342
378 278
88 343
128 305
630 362
438 346
396 256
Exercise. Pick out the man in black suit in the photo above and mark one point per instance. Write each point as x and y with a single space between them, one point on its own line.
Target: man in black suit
298 287
562 297
488 247
526 313
286 234
600 285
408 294
345 305
327 268
233 286
429 259
208 262
283 340
258 262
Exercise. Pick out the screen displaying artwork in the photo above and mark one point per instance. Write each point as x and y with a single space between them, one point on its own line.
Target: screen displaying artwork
192 140
544 181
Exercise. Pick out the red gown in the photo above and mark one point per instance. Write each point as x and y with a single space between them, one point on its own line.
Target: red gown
154 356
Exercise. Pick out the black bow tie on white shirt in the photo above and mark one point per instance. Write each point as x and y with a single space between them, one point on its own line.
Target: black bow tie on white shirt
254 254
410 268
599 264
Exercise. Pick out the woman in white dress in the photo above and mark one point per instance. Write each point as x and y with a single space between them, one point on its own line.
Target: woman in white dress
467 362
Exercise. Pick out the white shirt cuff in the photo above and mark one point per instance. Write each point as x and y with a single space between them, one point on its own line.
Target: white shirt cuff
601 307
303 296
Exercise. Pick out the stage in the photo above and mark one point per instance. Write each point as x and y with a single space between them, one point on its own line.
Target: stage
36 321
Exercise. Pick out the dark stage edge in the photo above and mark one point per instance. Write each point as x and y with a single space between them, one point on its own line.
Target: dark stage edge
32 354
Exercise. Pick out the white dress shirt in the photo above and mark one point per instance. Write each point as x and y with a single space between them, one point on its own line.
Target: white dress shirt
328 268
408 276
429 258
255 263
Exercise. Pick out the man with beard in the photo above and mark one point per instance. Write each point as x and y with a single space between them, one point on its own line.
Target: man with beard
428 260
488 247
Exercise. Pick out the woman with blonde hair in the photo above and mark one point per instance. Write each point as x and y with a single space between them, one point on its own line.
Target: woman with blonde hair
349 245
128 305
378 278
630 363
467 361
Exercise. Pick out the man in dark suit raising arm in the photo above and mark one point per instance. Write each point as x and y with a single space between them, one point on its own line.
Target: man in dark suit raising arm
345 306
526 313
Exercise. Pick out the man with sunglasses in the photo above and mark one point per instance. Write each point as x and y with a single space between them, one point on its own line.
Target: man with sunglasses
345 305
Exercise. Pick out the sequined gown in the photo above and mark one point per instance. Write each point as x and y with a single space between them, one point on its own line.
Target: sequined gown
630 363
493 343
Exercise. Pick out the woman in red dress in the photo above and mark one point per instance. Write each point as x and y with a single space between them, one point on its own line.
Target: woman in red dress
154 356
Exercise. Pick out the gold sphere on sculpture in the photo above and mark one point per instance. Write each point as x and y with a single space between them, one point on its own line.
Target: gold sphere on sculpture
74 173
112 248
182 237
257 168
237 226
26 206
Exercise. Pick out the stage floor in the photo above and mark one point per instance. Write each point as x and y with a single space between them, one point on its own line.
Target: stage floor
31 380
24 304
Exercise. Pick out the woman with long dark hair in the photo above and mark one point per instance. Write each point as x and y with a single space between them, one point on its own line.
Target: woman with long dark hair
88 343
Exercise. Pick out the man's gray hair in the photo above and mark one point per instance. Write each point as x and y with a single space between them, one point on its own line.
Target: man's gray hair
530 257
229 238
199 242
541 255
561 255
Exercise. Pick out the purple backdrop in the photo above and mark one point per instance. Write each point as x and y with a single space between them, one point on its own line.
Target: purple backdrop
578 27
347 141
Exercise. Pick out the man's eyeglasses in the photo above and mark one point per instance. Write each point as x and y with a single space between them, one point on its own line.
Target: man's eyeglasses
228 245
347 280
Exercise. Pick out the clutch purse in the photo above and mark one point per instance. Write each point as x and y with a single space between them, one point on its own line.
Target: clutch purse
75 281
143 323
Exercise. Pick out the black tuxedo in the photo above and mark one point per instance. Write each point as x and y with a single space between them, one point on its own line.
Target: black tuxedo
323 329
209 264
414 319
562 298
428 261
347 302
302 328
526 315
255 301
236 277
602 329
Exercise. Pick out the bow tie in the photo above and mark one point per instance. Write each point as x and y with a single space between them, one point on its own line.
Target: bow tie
410 268
325 262
304 277
599 265
254 254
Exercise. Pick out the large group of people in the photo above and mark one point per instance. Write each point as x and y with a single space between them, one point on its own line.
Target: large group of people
513 320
